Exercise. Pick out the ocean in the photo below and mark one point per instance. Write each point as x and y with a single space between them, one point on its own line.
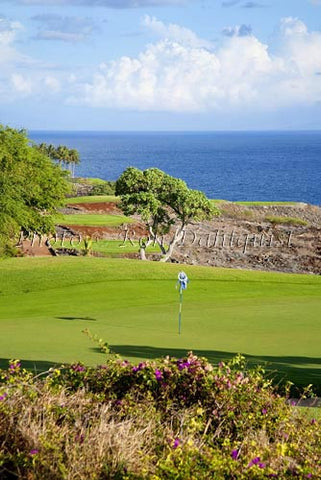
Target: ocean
248 166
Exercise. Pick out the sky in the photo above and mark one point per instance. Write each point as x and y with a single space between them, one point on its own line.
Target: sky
169 65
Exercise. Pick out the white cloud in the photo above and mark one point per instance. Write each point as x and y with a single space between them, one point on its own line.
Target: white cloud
177 75
52 84
8 34
8 30
22 76
290 26
300 49
175 32
21 84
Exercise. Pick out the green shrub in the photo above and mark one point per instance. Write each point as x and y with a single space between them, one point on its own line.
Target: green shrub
285 220
107 188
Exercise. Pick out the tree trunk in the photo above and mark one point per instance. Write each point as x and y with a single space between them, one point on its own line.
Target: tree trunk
143 244
179 232
142 253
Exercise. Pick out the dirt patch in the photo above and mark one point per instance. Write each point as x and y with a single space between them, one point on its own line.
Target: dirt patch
36 249
97 207
134 231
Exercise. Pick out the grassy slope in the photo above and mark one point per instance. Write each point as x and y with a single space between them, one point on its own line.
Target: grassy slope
109 247
47 302
94 220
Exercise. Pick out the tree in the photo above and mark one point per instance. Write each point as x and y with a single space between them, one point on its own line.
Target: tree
73 160
162 202
32 187
61 154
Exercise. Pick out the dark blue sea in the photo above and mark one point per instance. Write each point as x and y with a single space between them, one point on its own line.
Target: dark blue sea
283 166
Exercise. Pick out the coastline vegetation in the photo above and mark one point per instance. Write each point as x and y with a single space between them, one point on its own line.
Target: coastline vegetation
32 189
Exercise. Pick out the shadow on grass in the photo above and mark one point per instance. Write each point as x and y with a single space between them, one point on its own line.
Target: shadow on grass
35 366
302 371
78 318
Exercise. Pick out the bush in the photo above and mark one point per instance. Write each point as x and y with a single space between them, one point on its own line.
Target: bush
286 220
167 419
107 188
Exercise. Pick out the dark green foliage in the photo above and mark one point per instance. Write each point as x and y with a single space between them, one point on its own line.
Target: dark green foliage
162 201
31 187
106 188
61 154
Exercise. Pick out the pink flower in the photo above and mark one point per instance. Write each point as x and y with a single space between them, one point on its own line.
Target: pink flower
34 452
256 461
235 454
176 443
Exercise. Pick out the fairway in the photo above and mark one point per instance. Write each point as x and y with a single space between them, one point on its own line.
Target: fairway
46 303
94 220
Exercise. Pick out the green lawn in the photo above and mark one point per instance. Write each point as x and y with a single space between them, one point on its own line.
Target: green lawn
94 220
114 248
47 302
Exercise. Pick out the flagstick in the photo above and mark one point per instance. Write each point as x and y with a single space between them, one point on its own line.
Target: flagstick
180 310
182 282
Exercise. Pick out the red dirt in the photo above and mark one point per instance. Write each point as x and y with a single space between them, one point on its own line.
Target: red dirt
36 250
134 230
98 207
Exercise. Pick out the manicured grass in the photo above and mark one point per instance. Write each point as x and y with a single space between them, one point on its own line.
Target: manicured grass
92 199
94 220
47 302
115 248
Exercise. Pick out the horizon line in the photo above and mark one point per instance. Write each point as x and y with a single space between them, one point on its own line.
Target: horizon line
304 130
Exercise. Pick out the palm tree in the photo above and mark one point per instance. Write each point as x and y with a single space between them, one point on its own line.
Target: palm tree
62 154
51 151
73 160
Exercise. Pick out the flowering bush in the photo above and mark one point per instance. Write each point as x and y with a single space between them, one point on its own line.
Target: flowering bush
165 419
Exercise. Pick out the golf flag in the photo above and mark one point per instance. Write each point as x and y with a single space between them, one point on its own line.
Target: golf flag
182 280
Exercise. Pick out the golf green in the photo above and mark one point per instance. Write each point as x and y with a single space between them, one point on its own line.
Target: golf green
46 303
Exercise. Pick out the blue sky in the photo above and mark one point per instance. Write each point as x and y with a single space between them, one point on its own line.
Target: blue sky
160 64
